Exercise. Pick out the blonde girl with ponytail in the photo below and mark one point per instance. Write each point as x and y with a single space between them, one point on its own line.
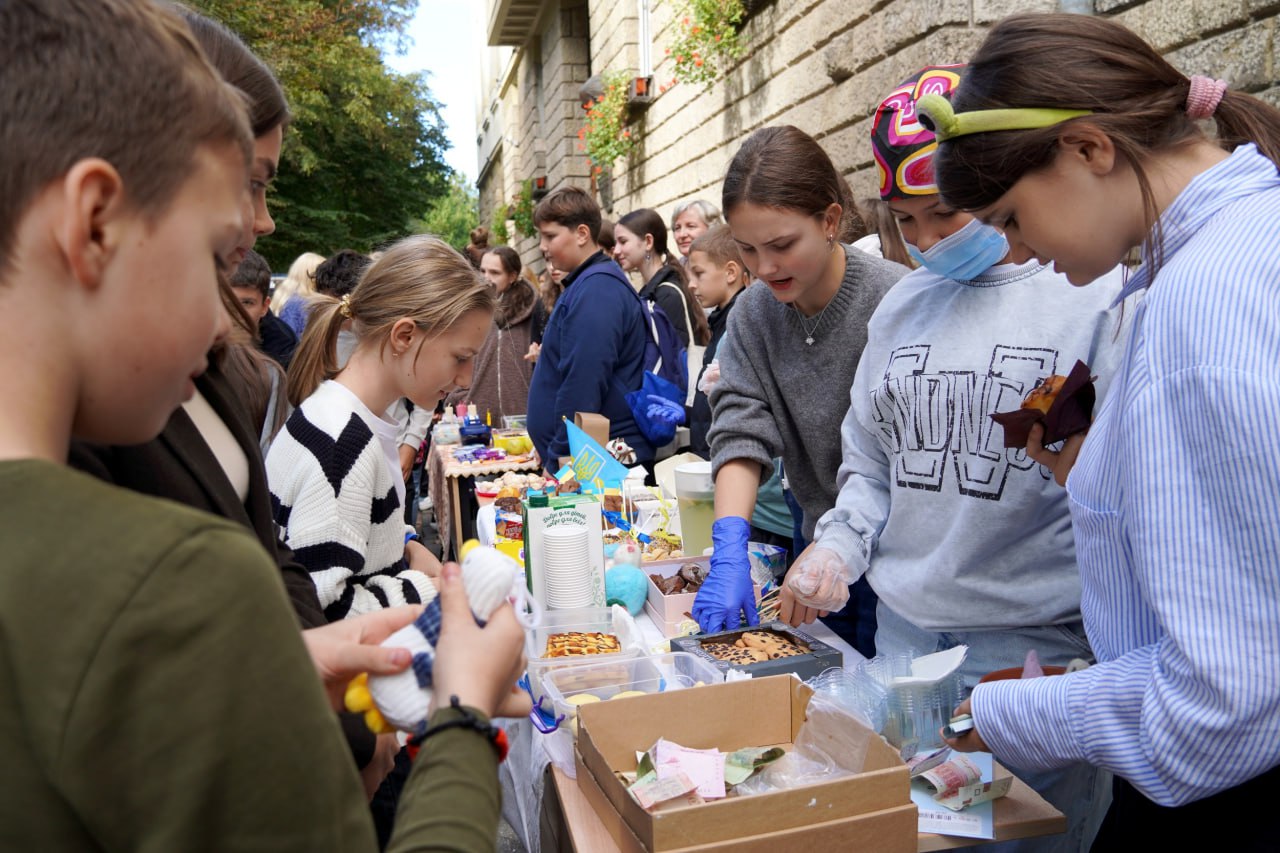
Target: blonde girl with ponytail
419 315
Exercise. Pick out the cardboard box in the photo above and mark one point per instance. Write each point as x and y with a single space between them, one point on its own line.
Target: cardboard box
596 426
820 658
871 810
543 511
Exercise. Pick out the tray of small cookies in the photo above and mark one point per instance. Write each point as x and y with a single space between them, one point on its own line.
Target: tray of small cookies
769 649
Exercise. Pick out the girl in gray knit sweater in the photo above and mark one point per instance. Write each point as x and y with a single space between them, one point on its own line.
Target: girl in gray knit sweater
788 358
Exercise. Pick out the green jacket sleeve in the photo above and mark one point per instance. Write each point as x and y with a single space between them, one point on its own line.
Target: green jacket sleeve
452 801
198 722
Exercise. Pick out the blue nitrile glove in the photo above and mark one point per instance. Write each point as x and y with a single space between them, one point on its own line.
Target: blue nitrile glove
662 410
727 592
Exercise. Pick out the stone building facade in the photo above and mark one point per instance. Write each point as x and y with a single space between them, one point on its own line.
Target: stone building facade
822 65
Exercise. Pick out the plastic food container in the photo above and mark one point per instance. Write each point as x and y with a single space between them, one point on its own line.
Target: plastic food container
607 680
586 620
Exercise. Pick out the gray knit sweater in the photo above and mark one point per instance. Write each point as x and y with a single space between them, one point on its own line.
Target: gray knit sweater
778 396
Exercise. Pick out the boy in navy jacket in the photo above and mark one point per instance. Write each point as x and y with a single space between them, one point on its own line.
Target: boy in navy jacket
593 347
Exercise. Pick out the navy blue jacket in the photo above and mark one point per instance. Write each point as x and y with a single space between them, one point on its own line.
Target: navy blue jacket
592 356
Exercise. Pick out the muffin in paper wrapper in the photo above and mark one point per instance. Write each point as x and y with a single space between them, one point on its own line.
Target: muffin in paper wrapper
1071 412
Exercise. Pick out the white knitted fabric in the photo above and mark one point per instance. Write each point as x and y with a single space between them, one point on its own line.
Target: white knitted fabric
337 507
404 699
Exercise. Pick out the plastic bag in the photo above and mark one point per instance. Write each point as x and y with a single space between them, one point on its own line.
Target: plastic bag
832 742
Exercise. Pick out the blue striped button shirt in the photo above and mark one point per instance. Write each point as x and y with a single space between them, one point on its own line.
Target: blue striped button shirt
1175 502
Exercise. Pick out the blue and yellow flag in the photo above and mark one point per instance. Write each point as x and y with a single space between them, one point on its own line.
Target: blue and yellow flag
591 461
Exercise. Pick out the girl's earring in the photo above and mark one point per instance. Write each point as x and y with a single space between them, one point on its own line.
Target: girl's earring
648 256
831 242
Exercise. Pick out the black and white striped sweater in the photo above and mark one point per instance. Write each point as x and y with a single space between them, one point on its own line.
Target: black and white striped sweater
337 506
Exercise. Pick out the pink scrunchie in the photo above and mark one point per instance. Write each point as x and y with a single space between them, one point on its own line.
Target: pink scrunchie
1204 96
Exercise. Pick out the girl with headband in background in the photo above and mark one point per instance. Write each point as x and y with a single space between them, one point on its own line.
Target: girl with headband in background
964 542
1082 142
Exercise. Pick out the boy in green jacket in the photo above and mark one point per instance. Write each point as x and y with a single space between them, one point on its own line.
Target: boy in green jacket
155 693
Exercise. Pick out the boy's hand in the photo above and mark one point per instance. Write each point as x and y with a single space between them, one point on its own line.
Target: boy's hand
478 665
342 650
382 763
408 453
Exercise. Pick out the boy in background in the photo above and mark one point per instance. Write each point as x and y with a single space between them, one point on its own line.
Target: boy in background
593 347
251 283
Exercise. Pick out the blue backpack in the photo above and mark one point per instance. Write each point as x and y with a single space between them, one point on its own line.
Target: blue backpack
664 355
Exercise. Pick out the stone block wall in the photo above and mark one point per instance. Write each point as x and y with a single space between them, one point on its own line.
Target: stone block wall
824 65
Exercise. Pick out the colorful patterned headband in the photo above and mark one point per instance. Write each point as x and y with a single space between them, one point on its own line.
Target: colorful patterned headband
937 115
900 145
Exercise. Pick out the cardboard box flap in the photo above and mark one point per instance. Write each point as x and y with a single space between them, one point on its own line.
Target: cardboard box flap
645 719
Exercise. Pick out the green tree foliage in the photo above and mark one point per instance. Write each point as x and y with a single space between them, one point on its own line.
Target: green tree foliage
364 156
454 214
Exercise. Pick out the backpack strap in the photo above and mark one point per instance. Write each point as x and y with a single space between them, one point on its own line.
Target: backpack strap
688 320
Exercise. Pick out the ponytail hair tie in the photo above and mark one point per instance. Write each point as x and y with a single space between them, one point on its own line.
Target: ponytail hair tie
344 306
1203 96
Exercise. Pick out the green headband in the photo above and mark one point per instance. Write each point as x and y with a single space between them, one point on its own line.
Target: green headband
936 114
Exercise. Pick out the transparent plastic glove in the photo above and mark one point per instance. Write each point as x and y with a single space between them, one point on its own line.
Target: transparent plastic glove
710 377
820 579
727 592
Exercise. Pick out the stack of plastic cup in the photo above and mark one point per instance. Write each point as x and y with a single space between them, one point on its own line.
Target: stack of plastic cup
566 567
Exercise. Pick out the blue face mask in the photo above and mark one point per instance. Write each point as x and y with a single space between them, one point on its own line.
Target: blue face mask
964 255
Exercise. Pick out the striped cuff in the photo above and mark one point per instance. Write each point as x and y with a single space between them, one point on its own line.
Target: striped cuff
1028 723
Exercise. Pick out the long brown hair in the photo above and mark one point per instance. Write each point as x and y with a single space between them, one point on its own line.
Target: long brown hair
1078 62
421 278
247 368
648 221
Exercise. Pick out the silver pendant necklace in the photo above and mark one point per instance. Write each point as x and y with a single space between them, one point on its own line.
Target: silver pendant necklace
808 332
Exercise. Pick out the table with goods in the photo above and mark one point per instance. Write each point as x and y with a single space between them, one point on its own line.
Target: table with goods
647 735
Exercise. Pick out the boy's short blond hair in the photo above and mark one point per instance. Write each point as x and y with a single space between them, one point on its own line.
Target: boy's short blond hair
719 247
120 80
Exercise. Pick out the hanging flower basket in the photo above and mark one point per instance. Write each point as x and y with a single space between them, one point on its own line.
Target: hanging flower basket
605 136
706 39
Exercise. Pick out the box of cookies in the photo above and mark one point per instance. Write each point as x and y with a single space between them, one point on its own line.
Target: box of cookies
773 648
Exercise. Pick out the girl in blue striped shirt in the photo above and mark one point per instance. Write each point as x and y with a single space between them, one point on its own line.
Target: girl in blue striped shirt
1081 142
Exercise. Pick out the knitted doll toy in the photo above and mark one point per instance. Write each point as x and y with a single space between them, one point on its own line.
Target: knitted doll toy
402 701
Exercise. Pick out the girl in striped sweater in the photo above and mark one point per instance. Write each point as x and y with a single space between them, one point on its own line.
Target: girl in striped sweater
420 313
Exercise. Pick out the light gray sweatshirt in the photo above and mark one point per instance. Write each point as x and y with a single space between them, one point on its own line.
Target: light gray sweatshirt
778 396
957 531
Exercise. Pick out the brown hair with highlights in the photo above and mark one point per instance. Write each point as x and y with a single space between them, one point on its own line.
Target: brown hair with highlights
1079 62
421 278
120 80
241 68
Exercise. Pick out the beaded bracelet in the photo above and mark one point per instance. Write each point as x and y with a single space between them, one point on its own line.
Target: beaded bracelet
468 720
